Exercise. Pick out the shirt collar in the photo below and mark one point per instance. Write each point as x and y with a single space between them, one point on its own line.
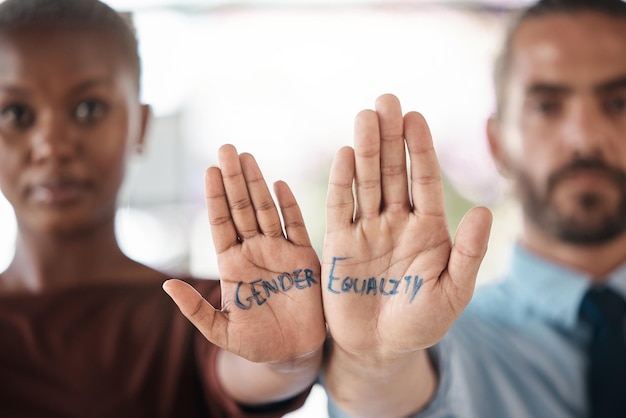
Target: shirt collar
617 280
551 290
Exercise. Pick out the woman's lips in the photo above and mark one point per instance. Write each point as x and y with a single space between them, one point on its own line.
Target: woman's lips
58 193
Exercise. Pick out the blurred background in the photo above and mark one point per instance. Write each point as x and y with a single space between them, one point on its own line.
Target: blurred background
283 80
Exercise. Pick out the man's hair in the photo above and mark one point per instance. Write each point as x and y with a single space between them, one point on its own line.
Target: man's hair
613 8
90 13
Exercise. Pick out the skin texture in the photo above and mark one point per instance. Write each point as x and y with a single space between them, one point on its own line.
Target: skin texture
70 119
564 104
566 96
287 330
377 350
389 228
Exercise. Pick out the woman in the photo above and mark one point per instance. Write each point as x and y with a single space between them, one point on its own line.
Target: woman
86 331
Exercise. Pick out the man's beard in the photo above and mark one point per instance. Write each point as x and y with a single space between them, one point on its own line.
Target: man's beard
588 226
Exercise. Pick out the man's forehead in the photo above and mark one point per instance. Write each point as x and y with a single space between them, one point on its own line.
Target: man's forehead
582 46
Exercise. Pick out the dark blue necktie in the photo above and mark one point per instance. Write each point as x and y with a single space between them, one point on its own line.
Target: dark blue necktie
605 311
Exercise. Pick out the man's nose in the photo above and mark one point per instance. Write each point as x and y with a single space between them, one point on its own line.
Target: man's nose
588 129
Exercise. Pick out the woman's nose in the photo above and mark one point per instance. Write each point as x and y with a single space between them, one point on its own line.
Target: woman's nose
52 139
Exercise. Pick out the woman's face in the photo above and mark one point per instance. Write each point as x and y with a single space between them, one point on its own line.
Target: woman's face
69 119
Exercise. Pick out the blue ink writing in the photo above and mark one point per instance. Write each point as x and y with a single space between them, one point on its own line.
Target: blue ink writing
261 290
408 285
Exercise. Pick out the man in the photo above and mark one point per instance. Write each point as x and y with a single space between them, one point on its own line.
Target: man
395 288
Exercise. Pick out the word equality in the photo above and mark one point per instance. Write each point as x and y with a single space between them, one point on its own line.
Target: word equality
373 285
261 290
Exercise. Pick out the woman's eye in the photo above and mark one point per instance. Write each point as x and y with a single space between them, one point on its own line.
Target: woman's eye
18 116
89 111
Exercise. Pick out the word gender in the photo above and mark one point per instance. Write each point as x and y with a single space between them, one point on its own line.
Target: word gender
261 290
373 285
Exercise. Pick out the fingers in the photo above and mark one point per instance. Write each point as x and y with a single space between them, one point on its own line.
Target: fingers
340 199
426 183
267 216
470 247
210 322
381 167
294 221
222 227
241 206
237 195
238 201
367 164
392 154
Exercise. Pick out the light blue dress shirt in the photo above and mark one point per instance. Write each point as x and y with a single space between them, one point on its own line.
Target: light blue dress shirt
518 349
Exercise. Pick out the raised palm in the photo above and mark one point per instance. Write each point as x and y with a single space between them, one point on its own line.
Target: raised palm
270 276
392 280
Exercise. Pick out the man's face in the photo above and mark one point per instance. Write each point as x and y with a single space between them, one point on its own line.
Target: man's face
69 114
562 133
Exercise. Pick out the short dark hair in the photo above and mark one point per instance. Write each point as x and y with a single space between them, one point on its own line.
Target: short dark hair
613 8
93 13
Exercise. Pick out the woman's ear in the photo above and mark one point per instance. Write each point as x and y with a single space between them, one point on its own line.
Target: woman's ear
496 146
146 116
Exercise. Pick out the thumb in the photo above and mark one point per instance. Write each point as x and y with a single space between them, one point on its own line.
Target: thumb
209 321
470 247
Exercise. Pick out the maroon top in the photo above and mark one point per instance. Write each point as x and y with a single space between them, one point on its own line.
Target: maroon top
111 351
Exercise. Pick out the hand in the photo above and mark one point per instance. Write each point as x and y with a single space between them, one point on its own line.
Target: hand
392 281
270 278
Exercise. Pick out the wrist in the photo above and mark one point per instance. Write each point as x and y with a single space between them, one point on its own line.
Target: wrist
260 383
387 361
362 385
377 364
300 363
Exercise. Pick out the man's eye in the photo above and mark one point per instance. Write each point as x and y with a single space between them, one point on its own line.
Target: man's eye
18 116
89 111
547 107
